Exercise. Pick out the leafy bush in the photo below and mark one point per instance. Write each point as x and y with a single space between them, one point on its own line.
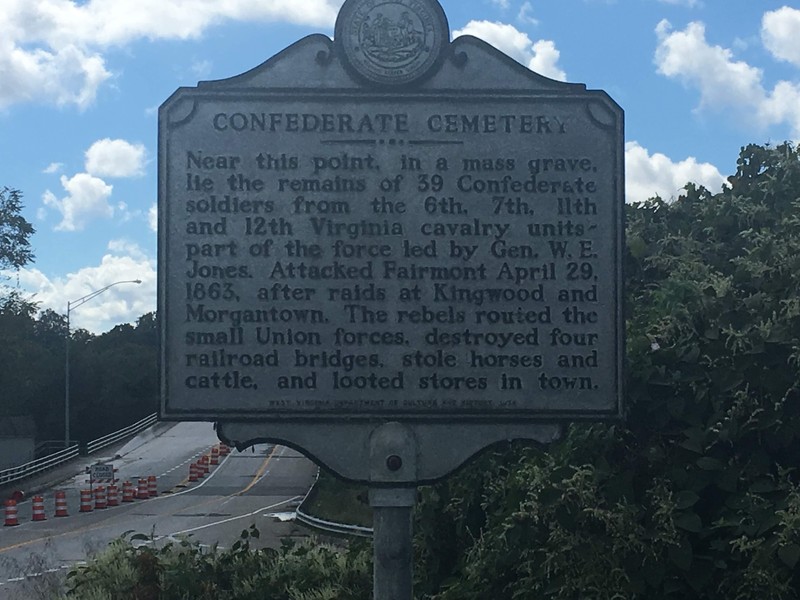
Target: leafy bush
185 571
697 495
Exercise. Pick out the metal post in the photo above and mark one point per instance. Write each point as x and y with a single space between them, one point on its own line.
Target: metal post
66 385
393 551
70 305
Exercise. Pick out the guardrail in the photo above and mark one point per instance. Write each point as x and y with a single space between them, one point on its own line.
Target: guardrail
37 466
317 523
53 460
48 447
340 528
112 438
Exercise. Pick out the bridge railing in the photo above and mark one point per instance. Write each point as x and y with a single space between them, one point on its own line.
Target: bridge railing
113 438
39 465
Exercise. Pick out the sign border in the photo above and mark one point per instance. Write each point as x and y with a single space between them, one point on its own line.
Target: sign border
572 93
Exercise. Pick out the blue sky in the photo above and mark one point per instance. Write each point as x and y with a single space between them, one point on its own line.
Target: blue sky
81 81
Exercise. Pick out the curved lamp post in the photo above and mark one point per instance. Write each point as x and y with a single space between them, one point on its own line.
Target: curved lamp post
71 305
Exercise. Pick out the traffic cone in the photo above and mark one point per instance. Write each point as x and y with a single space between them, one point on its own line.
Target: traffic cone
113 495
127 491
152 488
193 472
214 455
38 509
11 513
61 504
100 501
142 493
86 501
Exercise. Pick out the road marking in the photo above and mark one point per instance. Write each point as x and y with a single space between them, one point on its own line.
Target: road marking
115 511
222 522
261 473
112 512
27 576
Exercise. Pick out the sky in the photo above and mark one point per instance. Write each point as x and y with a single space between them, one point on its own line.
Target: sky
81 82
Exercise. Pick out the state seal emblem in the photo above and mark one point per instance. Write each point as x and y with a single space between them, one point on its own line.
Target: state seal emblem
392 42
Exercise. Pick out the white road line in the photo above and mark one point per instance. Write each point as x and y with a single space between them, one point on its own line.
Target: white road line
198 486
27 576
223 521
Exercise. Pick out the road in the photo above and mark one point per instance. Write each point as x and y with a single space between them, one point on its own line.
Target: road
247 488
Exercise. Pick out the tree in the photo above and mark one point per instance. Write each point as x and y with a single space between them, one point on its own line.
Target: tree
697 494
15 231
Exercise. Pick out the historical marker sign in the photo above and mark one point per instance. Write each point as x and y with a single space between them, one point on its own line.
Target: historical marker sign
391 227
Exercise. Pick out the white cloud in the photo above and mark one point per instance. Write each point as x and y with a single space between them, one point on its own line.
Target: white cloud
501 3
67 75
685 55
722 81
53 168
545 60
541 56
123 303
88 195
648 175
127 247
52 50
525 12
780 32
115 158
86 199
152 217
201 68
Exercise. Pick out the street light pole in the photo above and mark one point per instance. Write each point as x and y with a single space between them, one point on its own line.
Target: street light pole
71 305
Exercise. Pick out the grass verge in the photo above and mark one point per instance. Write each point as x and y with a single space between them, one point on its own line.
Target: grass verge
334 500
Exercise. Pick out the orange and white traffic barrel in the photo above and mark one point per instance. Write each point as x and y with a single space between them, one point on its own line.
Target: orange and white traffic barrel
100 500
143 492
112 494
38 509
61 504
224 449
214 455
193 472
11 513
152 487
203 462
86 501
127 491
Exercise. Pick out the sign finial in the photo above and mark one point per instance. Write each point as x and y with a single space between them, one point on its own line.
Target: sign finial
394 42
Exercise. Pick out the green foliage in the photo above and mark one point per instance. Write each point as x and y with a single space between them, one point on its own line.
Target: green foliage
334 500
695 496
28 376
15 231
698 495
135 568
113 377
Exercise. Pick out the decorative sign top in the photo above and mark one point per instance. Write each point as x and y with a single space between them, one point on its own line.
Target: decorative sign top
395 42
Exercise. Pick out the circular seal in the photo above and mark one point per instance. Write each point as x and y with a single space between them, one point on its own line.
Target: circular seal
392 42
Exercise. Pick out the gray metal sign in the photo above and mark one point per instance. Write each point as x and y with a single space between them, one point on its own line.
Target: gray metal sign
390 251
391 227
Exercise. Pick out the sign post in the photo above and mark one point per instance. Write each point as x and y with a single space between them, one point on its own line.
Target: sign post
390 251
